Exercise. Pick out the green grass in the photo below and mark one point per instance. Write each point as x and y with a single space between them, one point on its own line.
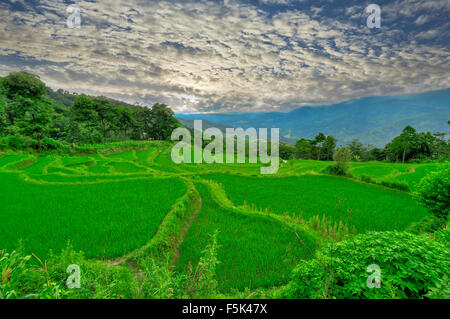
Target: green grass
365 206
409 172
112 202
146 156
101 167
255 251
6 161
126 167
126 155
102 220
40 165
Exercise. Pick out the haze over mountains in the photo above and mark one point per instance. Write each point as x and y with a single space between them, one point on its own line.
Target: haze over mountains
372 120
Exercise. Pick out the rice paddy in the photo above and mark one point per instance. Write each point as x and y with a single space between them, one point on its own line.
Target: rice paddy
361 205
103 220
245 260
112 203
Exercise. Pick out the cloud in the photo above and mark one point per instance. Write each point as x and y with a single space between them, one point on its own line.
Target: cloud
229 55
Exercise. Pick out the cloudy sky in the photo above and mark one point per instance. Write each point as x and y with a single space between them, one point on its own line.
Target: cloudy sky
230 55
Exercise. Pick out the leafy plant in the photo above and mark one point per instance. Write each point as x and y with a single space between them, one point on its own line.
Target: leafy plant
342 156
434 192
410 266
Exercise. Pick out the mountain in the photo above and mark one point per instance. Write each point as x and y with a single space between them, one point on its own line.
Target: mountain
373 120
205 124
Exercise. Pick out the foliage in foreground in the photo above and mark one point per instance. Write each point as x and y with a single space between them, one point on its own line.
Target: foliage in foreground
27 277
434 192
411 266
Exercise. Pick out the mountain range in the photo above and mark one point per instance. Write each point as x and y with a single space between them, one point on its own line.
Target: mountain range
372 120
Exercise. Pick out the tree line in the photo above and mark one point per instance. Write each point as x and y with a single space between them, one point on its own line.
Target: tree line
26 110
410 145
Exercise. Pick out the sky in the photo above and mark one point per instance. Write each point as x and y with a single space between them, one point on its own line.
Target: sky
230 55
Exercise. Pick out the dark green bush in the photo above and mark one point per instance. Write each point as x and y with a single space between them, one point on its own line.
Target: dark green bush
339 169
411 266
434 192
50 144
14 142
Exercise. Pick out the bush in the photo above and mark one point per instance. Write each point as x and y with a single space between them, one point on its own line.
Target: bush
14 142
339 168
28 142
26 276
434 192
410 267
342 156
23 277
50 144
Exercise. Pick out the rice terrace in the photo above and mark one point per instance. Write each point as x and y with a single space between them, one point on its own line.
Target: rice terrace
123 204
189 153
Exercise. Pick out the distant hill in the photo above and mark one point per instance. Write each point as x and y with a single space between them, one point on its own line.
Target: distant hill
205 124
66 98
373 120
189 123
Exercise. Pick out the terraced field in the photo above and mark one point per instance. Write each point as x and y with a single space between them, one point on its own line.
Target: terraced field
361 205
118 202
244 258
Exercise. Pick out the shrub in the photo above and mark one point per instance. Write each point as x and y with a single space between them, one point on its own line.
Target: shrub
50 144
339 168
28 142
22 276
410 267
434 192
342 156
14 142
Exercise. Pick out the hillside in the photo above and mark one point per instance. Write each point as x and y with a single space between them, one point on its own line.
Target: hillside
373 120
65 98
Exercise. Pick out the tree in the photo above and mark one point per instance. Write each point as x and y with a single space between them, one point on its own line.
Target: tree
126 120
28 106
160 122
404 146
286 151
3 115
37 121
23 84
328 147
377 154
358 150
85 115
304 149
105 114
318 142
434 192
440 147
